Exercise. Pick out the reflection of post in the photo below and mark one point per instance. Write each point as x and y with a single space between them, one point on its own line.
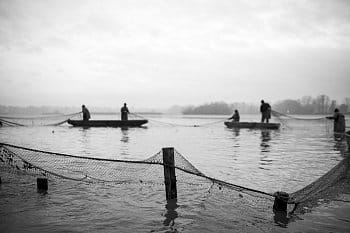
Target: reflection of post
169 173
281 218
171 213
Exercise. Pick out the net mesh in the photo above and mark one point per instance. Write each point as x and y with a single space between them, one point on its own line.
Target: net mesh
151 171
333 183
46 120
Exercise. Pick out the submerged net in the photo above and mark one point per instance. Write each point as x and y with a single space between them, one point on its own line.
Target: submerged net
44 120
334 182
97 170
151 171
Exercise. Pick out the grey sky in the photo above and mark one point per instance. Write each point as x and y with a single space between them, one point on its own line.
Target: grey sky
157 53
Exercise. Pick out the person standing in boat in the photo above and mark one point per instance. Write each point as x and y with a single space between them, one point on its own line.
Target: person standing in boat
339 121
235 117
265 110
86 113
124 112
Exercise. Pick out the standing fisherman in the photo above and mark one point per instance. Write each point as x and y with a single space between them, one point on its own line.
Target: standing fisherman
265 110
86 113
339 121
124 112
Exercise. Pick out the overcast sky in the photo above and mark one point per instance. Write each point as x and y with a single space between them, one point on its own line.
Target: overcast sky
157 53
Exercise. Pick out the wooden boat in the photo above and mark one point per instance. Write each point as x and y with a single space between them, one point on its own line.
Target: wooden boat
252 125
107 123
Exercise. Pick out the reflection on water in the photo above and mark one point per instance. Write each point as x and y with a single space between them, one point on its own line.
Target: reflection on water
125 135
265 138
171 213
236 131
124 147
265 161
85 140
340 145
281 218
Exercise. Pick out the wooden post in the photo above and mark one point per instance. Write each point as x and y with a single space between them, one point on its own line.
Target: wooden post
281 201
42 184
169 173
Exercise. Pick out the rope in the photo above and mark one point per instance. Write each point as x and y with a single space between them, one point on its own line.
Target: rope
278 115
40 117
227 183
79 157
195 171
181 125
11 123
57 124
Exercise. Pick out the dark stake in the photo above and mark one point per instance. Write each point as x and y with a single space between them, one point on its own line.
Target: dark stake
42 184
169 173
281 201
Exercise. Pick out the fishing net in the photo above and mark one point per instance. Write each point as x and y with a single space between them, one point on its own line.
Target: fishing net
93 169
44 120
151 172
96 170
333 183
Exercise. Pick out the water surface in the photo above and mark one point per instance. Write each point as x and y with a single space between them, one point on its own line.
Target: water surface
268 160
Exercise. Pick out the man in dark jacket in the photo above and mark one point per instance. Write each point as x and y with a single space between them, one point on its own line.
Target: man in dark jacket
265 110
86 113
339 121
235 117
124 112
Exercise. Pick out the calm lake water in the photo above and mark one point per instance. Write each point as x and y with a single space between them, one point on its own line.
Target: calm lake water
268 160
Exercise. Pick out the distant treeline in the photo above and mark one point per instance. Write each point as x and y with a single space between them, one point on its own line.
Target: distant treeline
322 104
220 108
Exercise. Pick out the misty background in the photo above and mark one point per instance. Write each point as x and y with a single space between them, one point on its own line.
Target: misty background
322 104
167 55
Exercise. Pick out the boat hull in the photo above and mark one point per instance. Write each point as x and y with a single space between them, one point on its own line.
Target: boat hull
107 123
252 125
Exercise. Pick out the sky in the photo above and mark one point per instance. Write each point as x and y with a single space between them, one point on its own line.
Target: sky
158 53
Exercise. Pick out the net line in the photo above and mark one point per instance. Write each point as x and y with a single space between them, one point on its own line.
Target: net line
51 120
279 115
180 125
150 171
284 119
87 169
330 185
